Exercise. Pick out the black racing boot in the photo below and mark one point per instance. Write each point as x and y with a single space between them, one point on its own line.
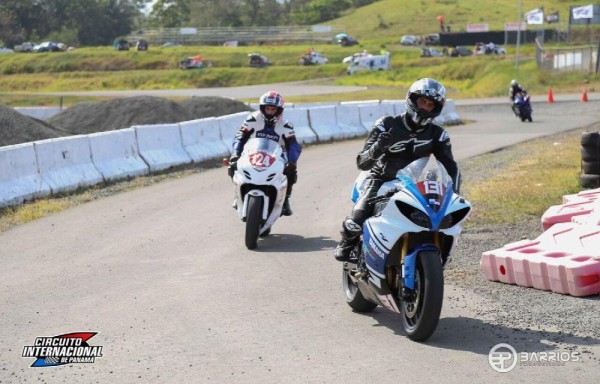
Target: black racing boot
344 248
287 209
350 237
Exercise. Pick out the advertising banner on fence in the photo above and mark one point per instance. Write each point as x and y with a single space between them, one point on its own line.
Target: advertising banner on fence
585 12
515 26
478 27
535 16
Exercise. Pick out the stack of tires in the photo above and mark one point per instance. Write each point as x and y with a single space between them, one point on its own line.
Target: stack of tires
590 160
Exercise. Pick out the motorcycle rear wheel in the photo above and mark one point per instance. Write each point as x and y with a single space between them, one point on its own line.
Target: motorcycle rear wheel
354 297
421 314
253 221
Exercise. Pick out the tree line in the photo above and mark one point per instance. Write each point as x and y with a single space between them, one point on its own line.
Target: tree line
99 22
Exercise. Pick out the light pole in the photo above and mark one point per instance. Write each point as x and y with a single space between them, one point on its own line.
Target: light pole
519 33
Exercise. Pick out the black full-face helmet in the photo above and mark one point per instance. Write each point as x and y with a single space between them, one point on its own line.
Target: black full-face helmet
418 119
271 99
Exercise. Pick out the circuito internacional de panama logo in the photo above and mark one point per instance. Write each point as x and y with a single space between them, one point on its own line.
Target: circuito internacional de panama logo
70 348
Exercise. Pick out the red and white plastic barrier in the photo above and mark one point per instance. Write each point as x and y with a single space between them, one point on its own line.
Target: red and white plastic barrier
564 259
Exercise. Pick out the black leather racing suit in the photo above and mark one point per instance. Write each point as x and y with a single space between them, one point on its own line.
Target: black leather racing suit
407 146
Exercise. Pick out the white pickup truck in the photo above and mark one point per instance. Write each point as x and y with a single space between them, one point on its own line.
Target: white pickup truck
25 47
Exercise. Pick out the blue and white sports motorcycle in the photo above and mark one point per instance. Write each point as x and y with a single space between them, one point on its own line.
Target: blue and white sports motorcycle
405 246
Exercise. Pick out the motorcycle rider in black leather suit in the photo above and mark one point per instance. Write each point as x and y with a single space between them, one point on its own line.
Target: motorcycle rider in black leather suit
393 143
515 88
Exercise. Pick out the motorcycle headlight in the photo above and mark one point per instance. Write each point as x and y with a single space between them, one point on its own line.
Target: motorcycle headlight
455 217
415 215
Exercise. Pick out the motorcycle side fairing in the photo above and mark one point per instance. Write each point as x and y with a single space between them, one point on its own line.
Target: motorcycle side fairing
269 183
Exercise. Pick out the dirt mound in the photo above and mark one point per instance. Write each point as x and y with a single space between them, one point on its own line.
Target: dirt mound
206 106
16 128
84 118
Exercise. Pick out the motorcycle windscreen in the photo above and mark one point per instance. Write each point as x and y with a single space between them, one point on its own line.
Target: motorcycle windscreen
429 182
261 152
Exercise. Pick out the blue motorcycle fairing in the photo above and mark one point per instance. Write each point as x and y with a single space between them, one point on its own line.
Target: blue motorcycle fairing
410 264
435 217
375 252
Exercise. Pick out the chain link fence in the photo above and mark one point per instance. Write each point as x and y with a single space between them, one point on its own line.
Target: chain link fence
583 58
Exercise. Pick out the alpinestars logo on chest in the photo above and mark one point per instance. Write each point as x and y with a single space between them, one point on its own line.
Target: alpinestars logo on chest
406 145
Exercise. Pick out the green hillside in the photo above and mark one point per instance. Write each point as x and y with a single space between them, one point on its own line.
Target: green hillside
393 18
377 26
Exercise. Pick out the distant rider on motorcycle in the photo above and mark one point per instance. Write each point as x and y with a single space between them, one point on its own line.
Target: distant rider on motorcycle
515 89
393 143
267 123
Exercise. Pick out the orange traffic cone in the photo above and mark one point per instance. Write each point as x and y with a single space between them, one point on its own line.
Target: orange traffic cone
584 97
550 96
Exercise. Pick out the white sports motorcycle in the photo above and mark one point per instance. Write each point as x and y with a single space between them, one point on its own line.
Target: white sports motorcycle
405 245
260 187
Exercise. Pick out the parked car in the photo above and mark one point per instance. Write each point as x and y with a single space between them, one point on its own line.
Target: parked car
25 47
431 52
432 39
345 40
121 45
489 49
409 40
194 62
312 58
460 51
257 60
141 45
6 50
46 46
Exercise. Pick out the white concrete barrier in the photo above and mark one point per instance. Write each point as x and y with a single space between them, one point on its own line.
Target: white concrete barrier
160 146
369 113
361 102
440 120
19 179
115 154
348 119
40 113
65 163
229 125
299 119
315 104
323 121
450 115
202 139
398 106
256 106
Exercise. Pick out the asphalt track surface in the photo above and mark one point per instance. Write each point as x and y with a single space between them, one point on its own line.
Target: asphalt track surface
163 276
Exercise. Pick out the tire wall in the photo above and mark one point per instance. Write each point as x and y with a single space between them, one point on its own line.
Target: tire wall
590 160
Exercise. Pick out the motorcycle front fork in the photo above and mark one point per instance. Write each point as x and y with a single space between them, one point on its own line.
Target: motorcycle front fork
406 293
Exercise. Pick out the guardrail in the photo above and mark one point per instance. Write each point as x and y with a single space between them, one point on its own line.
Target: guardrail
46 167
219 35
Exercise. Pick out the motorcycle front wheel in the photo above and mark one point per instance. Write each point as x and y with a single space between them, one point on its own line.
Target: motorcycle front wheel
253 221
354 297
421 312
